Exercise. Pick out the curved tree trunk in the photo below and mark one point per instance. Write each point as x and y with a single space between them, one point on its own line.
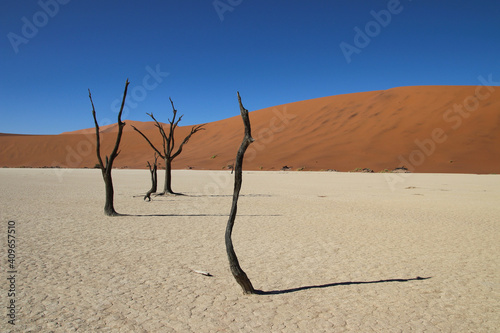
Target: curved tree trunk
238 273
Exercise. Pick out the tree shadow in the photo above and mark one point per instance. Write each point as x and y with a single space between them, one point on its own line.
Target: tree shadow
156 195
167 194
228 195
291 290
208 195
159 195
177 215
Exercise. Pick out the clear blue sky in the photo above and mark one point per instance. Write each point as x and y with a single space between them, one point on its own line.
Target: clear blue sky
273 52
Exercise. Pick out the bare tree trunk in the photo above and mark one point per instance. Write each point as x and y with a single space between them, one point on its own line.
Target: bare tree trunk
154 179
109 208
108 166
238 273
168 177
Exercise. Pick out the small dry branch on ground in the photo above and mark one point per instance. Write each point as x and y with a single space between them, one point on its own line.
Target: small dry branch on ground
202 272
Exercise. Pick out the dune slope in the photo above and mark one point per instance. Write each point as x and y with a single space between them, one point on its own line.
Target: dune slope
452 129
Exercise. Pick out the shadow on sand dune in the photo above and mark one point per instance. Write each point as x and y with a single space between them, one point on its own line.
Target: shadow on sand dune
286 291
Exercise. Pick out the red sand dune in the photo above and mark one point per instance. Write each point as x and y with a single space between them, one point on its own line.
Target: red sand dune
452 129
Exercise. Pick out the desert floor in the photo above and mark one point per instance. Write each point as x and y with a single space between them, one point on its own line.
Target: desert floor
332 252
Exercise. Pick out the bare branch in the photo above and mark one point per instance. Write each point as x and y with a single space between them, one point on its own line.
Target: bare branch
174 111
98 139
246 121
173 125
194 129
150 143
162 132
121 124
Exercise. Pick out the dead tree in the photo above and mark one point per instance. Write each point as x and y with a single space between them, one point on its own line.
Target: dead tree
168 154
106 168
154 178
234 265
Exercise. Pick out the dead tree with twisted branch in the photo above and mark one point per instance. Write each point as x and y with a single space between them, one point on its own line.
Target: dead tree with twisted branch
167 153
238 273
106 168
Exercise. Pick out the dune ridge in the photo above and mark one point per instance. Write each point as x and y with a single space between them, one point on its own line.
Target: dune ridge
444 129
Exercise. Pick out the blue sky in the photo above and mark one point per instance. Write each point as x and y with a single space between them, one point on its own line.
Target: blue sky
200 53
